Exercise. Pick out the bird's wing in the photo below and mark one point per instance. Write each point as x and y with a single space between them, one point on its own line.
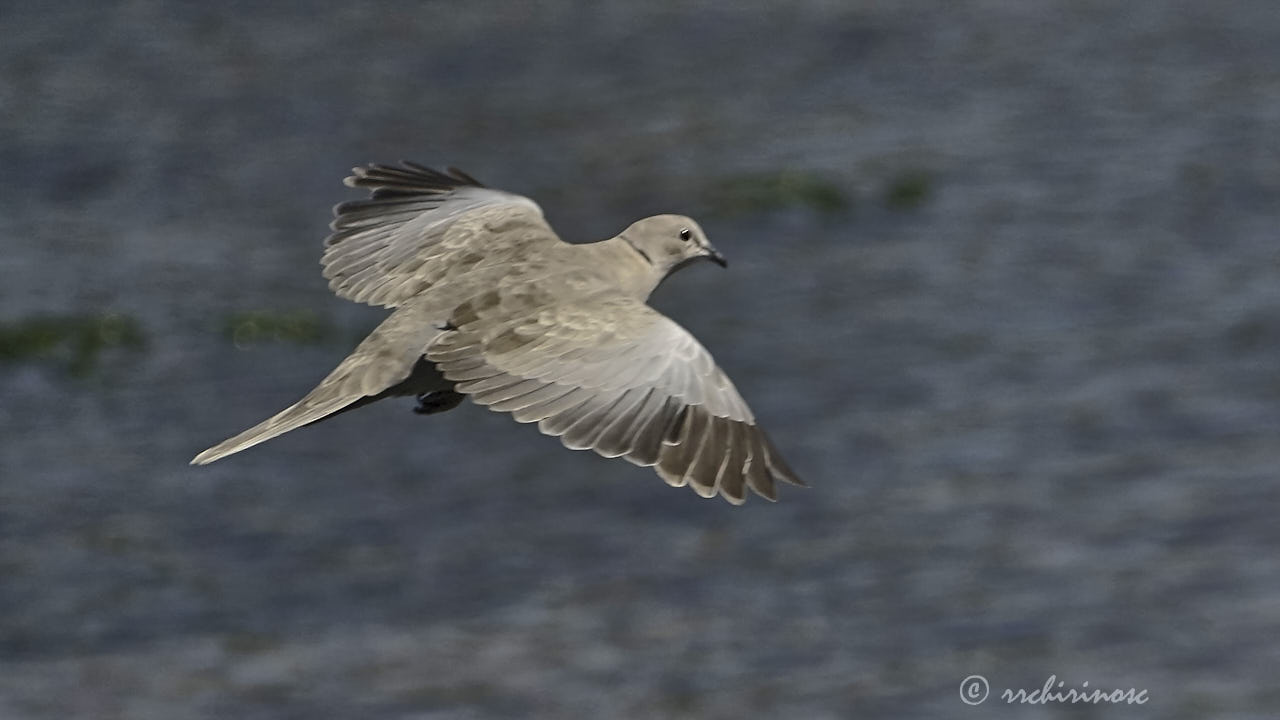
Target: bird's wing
420 226
611 374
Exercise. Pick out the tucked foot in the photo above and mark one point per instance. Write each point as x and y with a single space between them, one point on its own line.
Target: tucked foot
437 402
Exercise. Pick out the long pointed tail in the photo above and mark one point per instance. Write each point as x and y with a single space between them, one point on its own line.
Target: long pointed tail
387 363
304 412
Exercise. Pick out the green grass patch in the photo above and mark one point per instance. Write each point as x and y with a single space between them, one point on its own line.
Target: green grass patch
74 342
766 192
262 326
908 191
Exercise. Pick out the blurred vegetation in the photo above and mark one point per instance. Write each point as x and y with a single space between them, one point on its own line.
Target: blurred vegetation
908 191
768 192
75 342
764 192
259 326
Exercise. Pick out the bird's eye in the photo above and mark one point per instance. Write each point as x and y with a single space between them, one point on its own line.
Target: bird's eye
685 235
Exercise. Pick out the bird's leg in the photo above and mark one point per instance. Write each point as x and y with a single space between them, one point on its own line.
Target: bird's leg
437 401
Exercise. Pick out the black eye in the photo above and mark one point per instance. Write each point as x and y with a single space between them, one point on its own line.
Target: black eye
685 234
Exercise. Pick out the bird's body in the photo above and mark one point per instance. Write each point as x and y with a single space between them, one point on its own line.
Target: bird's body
489 303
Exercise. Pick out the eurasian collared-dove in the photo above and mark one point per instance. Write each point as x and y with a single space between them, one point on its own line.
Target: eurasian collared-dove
491 304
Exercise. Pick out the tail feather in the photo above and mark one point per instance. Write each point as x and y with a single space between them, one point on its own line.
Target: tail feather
388 363
304 412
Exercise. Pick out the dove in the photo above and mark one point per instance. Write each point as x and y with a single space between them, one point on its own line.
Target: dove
488 303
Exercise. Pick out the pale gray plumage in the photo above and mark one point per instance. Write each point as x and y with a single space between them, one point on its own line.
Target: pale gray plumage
489 303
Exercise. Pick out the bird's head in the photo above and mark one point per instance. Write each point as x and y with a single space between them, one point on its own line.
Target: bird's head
669 242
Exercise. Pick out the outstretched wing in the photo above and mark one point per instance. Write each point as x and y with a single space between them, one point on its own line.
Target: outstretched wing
420 226
613 375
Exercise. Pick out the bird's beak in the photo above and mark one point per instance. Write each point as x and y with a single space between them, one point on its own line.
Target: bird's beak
714 256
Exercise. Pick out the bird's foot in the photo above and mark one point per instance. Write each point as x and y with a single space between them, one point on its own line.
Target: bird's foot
437 401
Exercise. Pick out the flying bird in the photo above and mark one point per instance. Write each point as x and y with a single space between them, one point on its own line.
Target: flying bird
489 303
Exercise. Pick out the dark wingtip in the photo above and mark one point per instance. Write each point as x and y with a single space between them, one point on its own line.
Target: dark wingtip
463 176
407 178
779 467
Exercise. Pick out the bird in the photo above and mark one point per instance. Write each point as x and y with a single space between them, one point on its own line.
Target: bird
488 303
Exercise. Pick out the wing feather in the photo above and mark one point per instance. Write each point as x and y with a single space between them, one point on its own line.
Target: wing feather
563 421
420 226
757 471
514 390
730 478
547 408
610 374
519 405
647 437
581 435
618 439
701 473
606 440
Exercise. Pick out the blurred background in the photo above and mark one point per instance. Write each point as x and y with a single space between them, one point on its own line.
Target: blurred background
1004 286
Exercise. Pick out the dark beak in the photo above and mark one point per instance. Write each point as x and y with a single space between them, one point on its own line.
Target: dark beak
714 256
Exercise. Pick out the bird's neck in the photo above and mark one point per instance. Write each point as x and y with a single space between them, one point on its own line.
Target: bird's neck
626 267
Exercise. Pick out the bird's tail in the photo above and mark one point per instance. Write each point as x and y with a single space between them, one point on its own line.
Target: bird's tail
308 410
387 363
